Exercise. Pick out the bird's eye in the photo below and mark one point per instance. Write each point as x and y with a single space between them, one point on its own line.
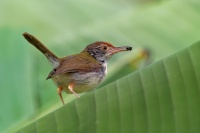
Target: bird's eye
105 47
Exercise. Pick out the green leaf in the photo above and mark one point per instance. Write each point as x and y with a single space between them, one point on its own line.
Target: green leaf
16 100
161 98
66 27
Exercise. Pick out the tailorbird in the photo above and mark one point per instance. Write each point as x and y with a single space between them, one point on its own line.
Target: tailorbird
79 72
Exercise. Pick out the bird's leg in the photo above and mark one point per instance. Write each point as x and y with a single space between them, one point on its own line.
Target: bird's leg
71 87
60 94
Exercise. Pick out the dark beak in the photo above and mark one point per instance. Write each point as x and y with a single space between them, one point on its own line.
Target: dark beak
119 49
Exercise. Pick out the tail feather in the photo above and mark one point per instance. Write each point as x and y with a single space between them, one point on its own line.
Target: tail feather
35 42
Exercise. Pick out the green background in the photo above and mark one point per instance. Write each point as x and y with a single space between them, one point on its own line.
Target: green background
66 27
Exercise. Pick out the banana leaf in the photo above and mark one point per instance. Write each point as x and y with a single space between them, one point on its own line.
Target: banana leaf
160 98
66 27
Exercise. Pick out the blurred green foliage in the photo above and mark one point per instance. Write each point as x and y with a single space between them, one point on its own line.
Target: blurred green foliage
66 27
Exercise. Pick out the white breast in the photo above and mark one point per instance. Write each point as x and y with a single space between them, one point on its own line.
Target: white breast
105 66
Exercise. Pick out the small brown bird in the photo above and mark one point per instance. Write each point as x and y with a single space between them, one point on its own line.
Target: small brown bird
80 72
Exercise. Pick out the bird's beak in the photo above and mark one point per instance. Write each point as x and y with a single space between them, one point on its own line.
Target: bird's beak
119 49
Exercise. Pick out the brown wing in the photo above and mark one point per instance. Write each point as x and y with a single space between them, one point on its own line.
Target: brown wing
76 63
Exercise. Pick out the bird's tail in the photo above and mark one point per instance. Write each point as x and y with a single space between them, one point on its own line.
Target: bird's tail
55 61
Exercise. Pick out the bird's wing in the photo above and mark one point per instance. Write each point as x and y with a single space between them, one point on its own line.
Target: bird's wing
76 63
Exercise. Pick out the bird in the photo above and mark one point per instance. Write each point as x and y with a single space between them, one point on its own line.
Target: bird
80 72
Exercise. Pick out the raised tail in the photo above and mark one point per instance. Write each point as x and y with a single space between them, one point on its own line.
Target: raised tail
55 61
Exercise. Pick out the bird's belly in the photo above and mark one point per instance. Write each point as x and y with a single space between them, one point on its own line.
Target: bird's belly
82 82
